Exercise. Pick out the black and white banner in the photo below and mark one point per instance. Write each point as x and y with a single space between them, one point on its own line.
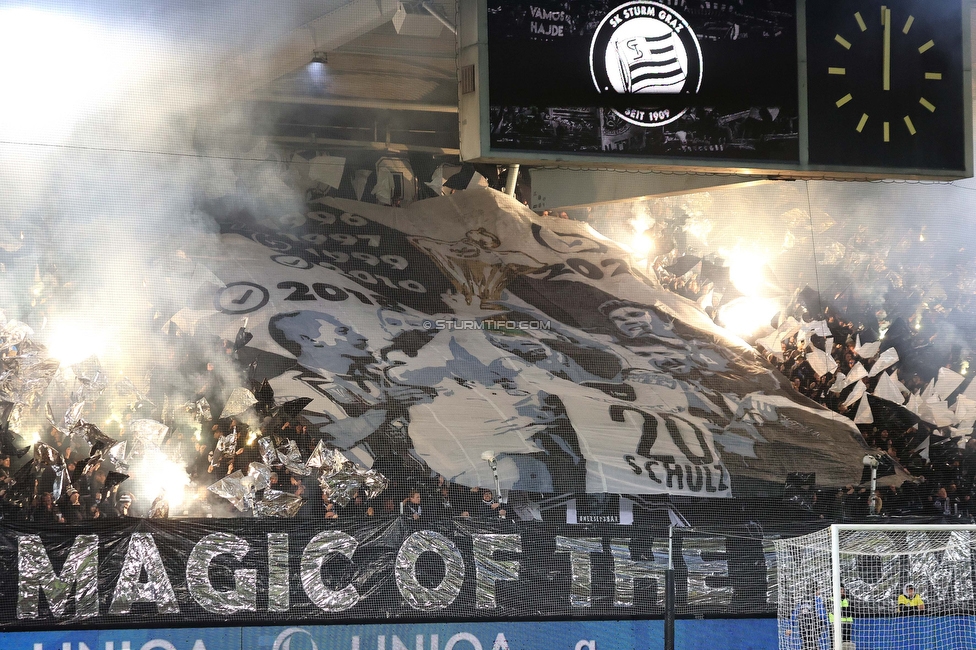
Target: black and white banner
159 573
466 327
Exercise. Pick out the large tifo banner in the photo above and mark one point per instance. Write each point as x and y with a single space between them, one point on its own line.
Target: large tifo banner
466 327
265 571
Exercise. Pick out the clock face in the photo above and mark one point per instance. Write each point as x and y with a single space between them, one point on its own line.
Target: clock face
885 83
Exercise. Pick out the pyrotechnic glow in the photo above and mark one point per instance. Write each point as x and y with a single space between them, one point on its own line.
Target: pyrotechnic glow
641 223
745 269
699 227
746 316
164 475
55 69
642 245
70 342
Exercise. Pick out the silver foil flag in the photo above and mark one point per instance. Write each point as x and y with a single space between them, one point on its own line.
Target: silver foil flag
278 504
268 453
148 430
261 474
230 488
240 400
226 447
291 457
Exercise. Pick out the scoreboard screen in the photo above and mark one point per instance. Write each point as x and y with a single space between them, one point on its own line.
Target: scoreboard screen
773 87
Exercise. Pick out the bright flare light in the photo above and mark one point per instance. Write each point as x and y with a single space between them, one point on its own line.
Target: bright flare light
70 342
55 69
164 475
641 222
746 316
746 269
699 227
642 245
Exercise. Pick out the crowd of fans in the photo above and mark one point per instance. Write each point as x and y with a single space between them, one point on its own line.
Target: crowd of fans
944 471
98 498
944 474
83 496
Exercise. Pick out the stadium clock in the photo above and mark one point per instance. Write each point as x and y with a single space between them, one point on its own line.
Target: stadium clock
900 86
885 79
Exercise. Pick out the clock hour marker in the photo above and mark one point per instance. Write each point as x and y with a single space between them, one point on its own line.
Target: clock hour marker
886 60
846 98
935 76
887 133
925 48
860 21
908 123
908 24
927 104
864 120
843 42
836 70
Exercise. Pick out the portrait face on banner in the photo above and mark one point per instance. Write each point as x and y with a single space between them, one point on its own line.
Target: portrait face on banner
636 321
324 343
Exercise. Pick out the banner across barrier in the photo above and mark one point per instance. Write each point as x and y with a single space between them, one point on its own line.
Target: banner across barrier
164 572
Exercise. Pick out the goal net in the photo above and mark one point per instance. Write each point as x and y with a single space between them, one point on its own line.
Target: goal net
877 587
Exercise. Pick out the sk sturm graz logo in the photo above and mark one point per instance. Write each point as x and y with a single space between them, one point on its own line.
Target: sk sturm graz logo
646 48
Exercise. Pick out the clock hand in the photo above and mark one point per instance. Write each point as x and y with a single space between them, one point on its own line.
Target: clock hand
886 61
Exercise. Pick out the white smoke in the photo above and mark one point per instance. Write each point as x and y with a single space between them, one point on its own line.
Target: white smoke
880 250
116 131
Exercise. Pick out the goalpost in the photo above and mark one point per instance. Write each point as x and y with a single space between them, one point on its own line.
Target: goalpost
908 587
